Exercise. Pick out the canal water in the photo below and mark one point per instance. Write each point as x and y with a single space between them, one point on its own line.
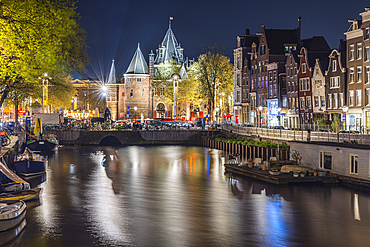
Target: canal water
180 196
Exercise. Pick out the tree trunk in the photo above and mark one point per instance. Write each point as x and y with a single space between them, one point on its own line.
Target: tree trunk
3 96
16 112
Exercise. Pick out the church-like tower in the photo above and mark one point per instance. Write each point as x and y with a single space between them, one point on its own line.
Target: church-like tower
136 89
169 49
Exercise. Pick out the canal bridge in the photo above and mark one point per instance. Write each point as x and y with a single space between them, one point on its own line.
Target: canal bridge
145 137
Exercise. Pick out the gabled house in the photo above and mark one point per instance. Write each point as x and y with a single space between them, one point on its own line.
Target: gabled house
272 45
358 75
291 68
313 48
319 91
242 75
336 84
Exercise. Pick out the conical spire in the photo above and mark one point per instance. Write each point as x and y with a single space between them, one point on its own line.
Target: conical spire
169 48
112 74
138 64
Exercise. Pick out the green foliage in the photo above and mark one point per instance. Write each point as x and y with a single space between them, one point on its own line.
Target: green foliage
212 70
38 37
321 123
336 122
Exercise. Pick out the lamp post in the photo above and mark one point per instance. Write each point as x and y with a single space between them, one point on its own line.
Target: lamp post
345 110
45 85
135 108
260 108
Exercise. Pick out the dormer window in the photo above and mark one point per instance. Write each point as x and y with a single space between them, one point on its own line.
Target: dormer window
129 79
334 65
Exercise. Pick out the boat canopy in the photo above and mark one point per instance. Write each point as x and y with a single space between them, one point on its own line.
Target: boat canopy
8 177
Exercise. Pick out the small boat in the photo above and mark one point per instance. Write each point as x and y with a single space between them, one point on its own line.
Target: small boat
11 182
11 214
24 195
11 236
42 143
29 164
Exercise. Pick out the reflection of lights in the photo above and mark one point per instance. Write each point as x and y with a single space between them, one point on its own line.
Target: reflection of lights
356 207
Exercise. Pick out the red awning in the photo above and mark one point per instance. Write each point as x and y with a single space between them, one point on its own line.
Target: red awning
228 115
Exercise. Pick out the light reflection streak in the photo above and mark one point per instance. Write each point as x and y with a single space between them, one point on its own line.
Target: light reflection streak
356 208
48 216
109 220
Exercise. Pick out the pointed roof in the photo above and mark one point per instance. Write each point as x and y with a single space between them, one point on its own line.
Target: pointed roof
183 73
138 64
112 74
169 47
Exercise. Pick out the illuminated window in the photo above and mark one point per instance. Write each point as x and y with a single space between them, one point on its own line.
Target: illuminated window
351 54
316 99
367 96
308 101
358 97
359 51
351 98
359 74
334 65
322 99
341 100
351 75
329 101
367 74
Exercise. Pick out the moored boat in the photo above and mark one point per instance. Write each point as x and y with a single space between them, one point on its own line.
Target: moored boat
24 195
43 145
9 181
9 237
29 164
11 214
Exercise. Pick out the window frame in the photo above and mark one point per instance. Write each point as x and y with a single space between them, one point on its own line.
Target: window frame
353 168
322 162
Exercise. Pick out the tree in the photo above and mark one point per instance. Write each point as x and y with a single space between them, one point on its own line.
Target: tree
214 74
38 37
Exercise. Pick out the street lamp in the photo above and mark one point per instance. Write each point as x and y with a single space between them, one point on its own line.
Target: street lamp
135 108
260 108
45 92
345 110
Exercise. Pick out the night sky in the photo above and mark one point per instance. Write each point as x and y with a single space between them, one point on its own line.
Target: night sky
115 27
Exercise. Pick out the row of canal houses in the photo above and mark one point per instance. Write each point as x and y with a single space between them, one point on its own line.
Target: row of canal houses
281 79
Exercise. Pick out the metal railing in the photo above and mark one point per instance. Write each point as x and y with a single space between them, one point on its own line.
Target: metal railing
319 135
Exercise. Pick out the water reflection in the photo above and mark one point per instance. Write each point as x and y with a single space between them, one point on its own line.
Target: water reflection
180 196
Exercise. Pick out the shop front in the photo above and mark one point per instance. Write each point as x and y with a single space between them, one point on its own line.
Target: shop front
273 112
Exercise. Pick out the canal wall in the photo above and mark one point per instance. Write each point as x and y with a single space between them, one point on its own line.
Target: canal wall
82 138
247 152
351 163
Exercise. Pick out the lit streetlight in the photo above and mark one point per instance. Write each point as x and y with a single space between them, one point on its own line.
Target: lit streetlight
135 108
260 108
45 85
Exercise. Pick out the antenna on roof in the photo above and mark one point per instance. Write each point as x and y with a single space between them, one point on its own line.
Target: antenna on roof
171 18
